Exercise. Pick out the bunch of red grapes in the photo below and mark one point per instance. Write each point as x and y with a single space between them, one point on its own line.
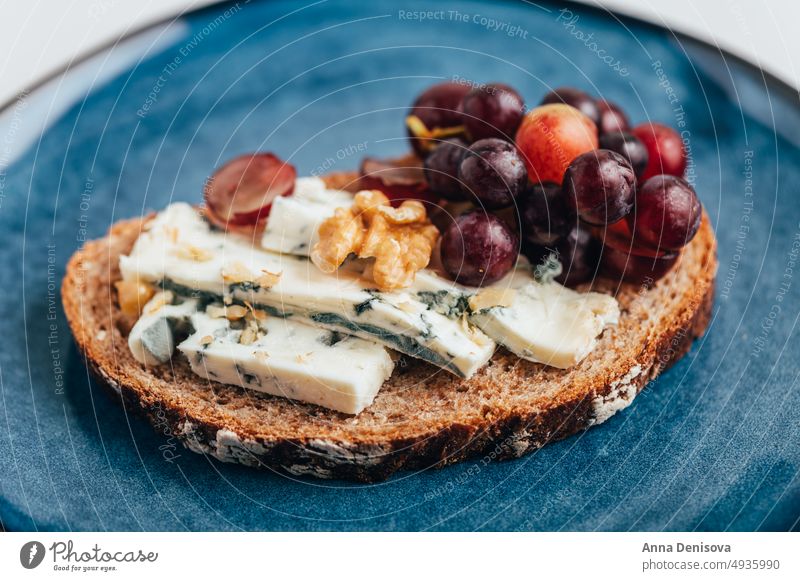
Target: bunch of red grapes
569 177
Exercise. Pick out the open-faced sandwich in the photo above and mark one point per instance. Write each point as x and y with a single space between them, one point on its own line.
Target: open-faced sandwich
519 278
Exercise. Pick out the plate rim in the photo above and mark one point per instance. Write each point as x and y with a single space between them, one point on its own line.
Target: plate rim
770 79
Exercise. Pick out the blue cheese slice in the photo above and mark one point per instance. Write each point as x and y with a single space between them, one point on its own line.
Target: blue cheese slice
294 220
181 251
289 359
152 339
545 323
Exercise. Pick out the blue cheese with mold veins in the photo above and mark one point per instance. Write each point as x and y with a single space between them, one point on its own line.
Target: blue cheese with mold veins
180 250
545 323
294 220
289 359
152 339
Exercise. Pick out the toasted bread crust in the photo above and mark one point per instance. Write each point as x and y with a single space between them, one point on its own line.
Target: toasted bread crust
421 418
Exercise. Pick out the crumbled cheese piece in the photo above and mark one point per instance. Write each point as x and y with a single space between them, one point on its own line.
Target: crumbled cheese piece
268 279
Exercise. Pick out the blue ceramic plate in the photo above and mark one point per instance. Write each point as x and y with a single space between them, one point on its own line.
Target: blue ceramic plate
711 445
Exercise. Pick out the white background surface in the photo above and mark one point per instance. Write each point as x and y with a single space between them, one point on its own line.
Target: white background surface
38 37
355 556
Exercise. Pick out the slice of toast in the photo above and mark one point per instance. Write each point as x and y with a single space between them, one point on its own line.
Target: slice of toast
422 416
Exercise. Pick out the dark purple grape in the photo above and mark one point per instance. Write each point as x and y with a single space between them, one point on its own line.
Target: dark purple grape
493 172
545 215
478 249
578 252
668 213
438 107
441 168
599 186
574 98
492 111
628 146
612 118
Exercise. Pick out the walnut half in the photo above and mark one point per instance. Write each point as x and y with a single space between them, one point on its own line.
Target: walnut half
400 240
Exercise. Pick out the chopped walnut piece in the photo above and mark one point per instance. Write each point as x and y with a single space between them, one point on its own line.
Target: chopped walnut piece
376 234
235 312
339 235
235 273
206 340
133 296
400 240
368 201
398 259
257 314
248 336
409 212
268 279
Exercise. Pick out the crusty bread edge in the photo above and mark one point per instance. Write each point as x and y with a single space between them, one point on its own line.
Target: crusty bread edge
509 436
